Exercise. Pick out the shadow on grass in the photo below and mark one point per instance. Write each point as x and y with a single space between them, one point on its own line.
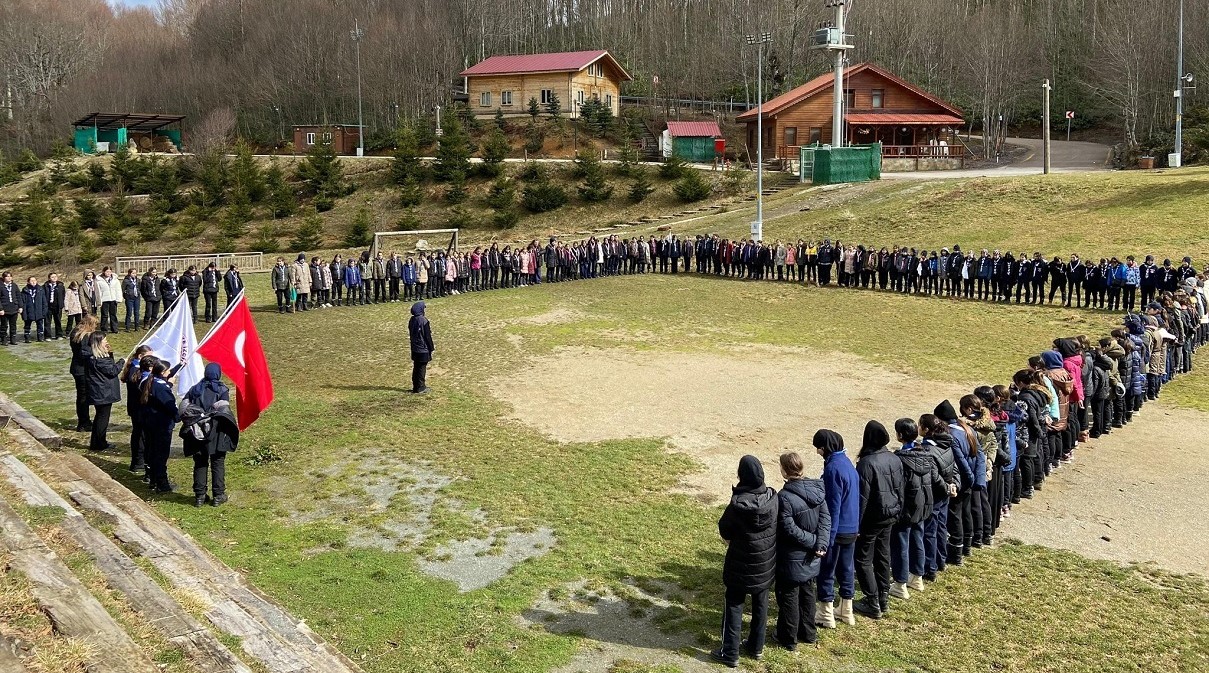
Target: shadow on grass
1153 195
368 388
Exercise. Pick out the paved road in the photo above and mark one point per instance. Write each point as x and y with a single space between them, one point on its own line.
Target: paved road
1069 157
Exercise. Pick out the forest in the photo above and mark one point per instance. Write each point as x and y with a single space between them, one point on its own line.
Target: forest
264 65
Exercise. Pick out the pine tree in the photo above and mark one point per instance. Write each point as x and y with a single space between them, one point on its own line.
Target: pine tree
163 184
411 194
495 150
96 180
501 122
534 108
596 187
408 221
554 106
155 224
322 172
455 151
212 178
692 187
28 162
127 169
245 174
641 187
88 249
281 197
674 168
310 233
266 238
627 156
543 196
456 191
406 164
39 225
88 213
360 230
502 194
535 138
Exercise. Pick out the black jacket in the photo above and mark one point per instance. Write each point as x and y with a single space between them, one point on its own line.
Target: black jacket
209 433
419 331
211 279
921 479
79 360
749 523
149 287
881 474
102 385
190 284
940 447
804 527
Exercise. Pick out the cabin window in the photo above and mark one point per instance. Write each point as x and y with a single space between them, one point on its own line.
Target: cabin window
849 99
327 138
547 96
791 135
485 99
579 96
609 101
505 98
816 135
310 139
879 98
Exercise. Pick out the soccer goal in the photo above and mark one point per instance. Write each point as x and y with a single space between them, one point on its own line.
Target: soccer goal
409 242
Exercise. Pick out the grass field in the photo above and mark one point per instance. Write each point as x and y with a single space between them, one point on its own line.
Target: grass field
352 497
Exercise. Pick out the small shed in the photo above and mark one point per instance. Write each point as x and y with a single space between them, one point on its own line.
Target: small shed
343 137
107 131
691 141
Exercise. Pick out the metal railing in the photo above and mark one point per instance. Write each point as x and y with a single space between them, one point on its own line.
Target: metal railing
921 151
248 262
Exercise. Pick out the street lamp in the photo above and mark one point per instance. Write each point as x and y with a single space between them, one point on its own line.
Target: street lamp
357 35
1177 158
280 123
757 227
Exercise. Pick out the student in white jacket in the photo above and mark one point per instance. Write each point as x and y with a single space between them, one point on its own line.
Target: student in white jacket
109 293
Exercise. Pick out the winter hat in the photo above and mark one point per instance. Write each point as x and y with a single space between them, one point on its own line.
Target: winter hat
751 472
417 308
1154 306
1052 359
829 441
945 412
301 257
875 438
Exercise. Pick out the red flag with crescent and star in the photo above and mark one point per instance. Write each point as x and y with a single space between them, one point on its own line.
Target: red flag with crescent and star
234 344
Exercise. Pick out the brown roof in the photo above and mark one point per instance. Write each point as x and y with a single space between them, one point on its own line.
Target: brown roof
901 118
825 81
566 61
694 130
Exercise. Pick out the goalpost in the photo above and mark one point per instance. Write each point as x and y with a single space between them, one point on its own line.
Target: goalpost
421 240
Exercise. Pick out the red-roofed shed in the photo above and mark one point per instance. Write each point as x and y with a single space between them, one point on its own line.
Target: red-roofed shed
692 141
508 82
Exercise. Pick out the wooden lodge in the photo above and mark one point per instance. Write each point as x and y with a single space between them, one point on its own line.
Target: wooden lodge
507 83
910 123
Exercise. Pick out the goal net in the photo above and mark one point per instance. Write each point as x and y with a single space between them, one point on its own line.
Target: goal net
411 242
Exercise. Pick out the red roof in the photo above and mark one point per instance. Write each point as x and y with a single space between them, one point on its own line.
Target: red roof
824 82
694 130
566 61
904 118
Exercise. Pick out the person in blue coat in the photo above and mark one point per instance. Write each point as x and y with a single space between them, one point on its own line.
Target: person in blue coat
803 532
965 454
419 332
34 308
409 279
158 405
843 491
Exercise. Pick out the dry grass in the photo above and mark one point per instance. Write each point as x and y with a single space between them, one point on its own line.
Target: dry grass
22 620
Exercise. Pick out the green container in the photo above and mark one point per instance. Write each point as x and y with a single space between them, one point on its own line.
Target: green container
698 150
833 165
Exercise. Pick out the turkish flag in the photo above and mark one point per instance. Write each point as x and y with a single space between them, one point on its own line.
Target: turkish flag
234 344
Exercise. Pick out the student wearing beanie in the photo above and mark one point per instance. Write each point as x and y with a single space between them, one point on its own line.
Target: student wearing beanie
881 476
749 525
843 489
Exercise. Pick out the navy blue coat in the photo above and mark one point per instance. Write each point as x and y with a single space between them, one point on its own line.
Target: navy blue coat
803 528
33 303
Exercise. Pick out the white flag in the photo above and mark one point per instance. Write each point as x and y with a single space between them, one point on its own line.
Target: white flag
174 341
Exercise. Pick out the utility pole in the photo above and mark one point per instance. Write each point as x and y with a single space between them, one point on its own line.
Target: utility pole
1177 158
836 44
1045 144
358 35
757 227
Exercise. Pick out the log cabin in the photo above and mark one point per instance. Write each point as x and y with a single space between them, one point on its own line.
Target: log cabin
507 82
878 107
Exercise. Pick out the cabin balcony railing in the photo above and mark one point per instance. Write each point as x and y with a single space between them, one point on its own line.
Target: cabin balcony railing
920 151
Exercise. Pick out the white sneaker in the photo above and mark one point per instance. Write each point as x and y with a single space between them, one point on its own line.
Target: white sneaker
915 583
899 590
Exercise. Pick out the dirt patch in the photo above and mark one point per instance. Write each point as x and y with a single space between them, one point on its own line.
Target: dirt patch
1132 496
477 562
555 316
621 628
716 407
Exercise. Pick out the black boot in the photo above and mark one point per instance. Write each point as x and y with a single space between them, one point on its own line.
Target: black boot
869 607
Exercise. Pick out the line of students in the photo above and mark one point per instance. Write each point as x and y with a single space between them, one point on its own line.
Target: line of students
895 520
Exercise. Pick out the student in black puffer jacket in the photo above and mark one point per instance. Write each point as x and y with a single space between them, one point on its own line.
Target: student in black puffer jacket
749 525
803 531
881 474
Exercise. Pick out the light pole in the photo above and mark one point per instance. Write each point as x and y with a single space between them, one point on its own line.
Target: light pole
757 227
1177 158
836 44
357 34
280 124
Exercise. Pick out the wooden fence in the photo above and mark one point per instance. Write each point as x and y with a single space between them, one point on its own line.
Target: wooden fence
248 262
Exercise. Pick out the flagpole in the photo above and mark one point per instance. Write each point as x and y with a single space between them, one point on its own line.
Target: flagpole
222 318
